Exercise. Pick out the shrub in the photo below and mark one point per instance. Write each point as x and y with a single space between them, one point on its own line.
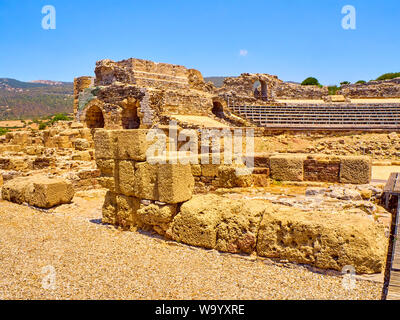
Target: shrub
310 81
42 126
361 82
60 117
388 76
3 131
333 90
344 83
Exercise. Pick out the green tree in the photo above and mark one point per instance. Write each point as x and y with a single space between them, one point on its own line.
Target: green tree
344 83
310 81
361 82
388 76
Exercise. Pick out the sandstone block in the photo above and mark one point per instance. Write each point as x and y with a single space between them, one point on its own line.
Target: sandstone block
38 191
131 144
126 177
287 167
355 170
81 144
175 183
127 207
234 176
326 240
146 181
109 209
209 170
105 146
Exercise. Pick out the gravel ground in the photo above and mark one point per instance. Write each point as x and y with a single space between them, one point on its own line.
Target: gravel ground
94 261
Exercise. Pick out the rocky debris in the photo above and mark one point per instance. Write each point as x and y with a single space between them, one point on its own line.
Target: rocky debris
39 191
372 89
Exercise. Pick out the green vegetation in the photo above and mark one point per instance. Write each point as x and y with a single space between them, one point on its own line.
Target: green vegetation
388 76
333 90
3 131
24 100
42 126
344 83
310 81
361 82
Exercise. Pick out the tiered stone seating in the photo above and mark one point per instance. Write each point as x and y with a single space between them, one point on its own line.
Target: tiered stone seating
322 117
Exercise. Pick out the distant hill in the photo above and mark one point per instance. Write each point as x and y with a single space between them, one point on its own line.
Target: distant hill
218 81
22 100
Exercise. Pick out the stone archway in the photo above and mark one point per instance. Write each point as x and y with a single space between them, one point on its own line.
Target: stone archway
218 110
129 116
260 90
94 117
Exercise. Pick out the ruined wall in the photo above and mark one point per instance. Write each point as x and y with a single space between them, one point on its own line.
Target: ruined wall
372 89
80 84
243 92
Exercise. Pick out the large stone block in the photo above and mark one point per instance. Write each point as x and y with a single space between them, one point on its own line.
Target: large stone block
127 207
234 176
146 181
109 209
326 240
126 177
355 170
131 144
39 191
105 146
220 223
175 182
287 167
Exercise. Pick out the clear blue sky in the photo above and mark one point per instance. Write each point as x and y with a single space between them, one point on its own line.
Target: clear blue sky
293 39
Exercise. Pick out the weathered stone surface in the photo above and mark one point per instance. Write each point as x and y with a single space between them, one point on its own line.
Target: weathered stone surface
146 181
105 146
127 207
287 167
328 241
131 144
126 177
234 176
175 182
109 209
355 170
39 191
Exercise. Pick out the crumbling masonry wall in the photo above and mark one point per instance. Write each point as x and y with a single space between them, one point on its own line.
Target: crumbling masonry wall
161 197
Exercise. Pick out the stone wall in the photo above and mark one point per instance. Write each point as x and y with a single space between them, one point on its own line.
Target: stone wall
161 198
372 89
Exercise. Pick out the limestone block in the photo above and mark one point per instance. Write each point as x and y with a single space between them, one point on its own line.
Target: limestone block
127 211
39 191
355 170
82 156
108 183
175 182
234 176
158 216
81 144
325 240
106 167
131 144
109 209
196 222
287 167
209 170
146 181
105 146
196 170
126 177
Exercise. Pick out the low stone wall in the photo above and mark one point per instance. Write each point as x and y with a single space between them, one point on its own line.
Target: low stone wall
323 168
162 198
372 89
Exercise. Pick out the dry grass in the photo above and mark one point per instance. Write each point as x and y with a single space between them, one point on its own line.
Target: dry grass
94 261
